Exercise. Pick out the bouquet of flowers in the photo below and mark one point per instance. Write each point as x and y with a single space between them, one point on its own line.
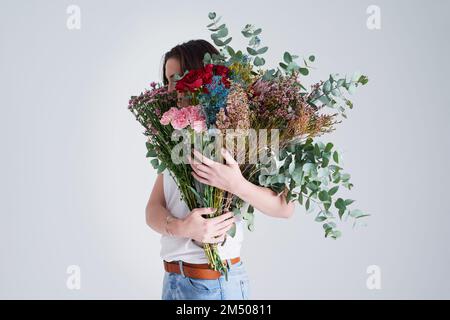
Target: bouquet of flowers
233 102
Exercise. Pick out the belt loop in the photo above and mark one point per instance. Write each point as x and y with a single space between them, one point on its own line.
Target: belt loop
180 263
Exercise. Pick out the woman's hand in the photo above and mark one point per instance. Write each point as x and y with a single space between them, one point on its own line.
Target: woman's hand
206 230
228 177
223 176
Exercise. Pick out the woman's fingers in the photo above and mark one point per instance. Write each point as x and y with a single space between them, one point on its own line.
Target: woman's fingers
224 230
223 225
221 218
228 157
201 170
200 179
202 211
202 159
217 239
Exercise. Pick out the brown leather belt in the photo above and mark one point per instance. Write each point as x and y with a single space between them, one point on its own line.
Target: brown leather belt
196 270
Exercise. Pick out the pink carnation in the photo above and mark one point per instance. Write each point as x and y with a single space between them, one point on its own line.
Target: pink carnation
199 126
181 118
196 118
168 116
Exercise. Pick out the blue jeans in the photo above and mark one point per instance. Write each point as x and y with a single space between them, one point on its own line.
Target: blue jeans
179 287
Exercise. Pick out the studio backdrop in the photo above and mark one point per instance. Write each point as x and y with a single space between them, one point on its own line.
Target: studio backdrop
75 180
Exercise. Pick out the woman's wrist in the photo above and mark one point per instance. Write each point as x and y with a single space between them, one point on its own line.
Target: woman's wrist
174 226
242 189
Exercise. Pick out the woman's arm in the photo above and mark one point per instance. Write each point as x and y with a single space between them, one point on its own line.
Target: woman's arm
193 226
264 199
228 177
156 213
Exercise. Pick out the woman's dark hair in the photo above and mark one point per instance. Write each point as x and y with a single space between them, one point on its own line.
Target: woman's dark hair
190 54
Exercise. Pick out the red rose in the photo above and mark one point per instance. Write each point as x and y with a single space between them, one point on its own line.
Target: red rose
194 79
207 73
223 72
191 81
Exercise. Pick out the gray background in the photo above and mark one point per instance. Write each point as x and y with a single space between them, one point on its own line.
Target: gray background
75 180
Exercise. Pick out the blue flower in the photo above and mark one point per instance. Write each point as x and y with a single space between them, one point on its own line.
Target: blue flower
213 101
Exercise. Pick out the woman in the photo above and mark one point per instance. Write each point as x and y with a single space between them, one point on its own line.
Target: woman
187 273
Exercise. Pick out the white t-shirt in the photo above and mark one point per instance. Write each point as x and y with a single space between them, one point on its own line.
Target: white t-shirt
184 249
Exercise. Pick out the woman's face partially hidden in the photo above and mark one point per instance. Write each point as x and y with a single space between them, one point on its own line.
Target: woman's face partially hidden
172 68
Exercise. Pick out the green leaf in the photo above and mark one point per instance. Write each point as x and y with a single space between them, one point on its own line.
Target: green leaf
340 83
327 87
340 204
317 150
287 57
151 153
309 168
297 174
300 198
307 204
218 28
262 180
304 71
262 50
252 51
349 103
232 231
341 213
336 92
312 186
219 42
333 190
161 168
257 31
363 80
348 202
222 33
320 218
312 58
328 147
249 217
259 61
211 15
207 58
227 41
155 163
336 157
323 196
230 51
